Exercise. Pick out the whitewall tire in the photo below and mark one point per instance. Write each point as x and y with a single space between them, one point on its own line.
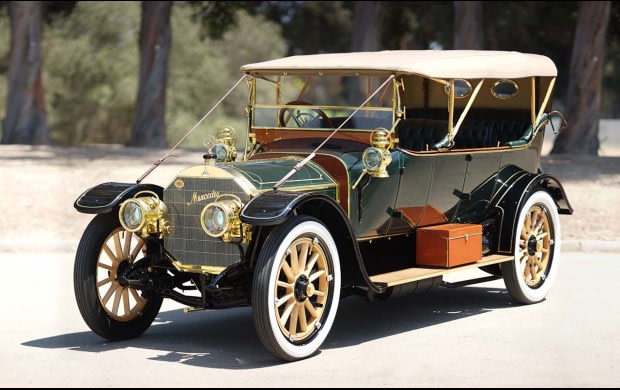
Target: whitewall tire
536 244
296 288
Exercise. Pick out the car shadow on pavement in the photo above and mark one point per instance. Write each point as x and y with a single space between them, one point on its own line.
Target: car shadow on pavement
227 339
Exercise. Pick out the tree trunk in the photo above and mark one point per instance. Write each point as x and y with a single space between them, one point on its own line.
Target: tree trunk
149 128
367 16
468 25
25 121
586 75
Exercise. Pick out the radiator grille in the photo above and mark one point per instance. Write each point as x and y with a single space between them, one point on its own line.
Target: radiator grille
187 242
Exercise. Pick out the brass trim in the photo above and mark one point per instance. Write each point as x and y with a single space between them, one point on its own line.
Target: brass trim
495 84
533 101
320 107
546 100
201 269
455 130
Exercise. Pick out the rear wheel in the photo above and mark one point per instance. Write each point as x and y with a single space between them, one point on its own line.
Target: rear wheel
109 309
296 288
537 250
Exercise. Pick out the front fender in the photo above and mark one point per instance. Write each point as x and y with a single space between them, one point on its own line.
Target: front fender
271 208
103 198
512 200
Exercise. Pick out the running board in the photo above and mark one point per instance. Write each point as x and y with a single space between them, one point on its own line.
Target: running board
470 282
419 273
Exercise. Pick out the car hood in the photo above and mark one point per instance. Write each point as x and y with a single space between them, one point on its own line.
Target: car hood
261 175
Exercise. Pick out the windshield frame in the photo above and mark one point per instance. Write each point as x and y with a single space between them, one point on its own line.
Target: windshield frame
393 109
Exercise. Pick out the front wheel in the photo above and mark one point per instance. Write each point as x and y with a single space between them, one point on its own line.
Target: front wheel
537 250
296 288
109 309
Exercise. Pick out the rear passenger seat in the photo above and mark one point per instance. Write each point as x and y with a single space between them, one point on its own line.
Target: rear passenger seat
421 134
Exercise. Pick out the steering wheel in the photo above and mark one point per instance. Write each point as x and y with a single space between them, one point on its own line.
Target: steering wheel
305 119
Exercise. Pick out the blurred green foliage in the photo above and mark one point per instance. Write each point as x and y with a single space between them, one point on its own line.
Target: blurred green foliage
91 65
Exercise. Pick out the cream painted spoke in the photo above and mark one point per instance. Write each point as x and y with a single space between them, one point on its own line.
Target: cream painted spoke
136 296
288 271
303 322
316 275
136 250
287 312
126 301
284 284
312 262
294 260
110 254
524 234
527 225
104 282
542 235
319 293
303 255
284 299
294 316
107 296
540 265
527 273
522 244
127 246
117 299
117 246
311 309
108 267
544 250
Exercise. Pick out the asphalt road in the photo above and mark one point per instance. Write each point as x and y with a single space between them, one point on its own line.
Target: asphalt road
473 336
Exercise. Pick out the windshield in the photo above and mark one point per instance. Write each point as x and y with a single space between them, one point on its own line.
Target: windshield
322 102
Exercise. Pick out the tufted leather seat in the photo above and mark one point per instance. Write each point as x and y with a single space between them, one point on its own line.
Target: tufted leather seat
421 134
481 129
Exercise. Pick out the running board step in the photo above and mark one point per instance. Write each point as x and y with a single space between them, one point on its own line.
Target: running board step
418 273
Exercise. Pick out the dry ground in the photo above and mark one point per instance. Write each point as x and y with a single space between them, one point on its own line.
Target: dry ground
38 186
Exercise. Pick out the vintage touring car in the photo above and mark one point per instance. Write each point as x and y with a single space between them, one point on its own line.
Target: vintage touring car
363 173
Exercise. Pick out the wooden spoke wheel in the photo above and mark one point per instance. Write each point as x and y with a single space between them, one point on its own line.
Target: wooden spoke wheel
119 251
296 288
537 250
302 289
109 309
534 245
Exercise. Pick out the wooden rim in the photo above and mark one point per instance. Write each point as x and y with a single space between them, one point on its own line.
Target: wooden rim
302 289
120 303
535 246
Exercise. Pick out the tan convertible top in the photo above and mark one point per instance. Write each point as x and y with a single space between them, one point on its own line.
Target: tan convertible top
444 64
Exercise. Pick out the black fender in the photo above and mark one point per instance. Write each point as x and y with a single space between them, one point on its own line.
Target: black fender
271 208
512 197
103 198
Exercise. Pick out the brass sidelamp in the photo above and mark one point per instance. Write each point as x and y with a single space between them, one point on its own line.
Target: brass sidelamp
224 148
377 158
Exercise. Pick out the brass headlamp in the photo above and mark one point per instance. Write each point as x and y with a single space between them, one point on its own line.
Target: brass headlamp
221 218
145 214
224 149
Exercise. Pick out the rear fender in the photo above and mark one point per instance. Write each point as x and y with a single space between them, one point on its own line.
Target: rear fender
510 203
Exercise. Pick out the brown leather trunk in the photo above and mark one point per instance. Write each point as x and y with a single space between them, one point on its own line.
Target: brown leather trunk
448 245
